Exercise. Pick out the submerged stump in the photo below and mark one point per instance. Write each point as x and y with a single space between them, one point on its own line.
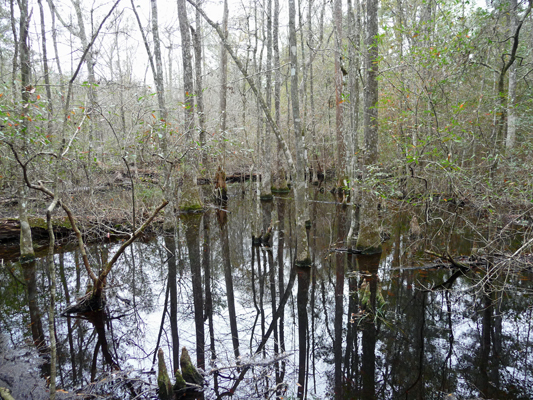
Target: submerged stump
188 370
163 380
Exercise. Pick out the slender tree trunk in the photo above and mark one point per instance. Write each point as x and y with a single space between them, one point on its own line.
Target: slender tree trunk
221 188
223 80
93 98
199 90
16 45
26 243
54 40
49 107
339 78
351 134
158 78
51 311
303 257
313 147
511 102
190 195
369 240
279 179
266 171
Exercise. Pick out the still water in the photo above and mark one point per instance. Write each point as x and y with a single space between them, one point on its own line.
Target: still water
352 326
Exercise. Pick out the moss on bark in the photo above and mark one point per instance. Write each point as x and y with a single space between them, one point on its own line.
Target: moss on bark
163 380
188 370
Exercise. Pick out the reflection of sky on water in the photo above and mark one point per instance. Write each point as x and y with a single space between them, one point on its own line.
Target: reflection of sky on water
135 332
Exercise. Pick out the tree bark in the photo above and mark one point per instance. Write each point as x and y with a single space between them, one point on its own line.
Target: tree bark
199 90
511 102
26 243
279 179
266 170
300 194
158 78
368 239
190 199
339 78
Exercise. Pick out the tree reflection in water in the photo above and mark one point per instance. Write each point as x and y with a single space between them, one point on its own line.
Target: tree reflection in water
352 326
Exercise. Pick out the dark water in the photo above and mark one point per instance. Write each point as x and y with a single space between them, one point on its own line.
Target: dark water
351 326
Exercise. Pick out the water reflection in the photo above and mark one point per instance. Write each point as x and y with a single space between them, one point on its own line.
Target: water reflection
351 326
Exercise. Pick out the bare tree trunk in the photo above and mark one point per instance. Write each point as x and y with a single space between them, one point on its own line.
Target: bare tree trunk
51 312
93 99
222 190
26 243
351 134
313 148
158 78
300 195
199 92
54 40
511 102
15 51
279 179
266 170
507 64
369 240
341 146
190 199
49 108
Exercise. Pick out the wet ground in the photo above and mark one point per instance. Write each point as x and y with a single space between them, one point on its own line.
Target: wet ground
352 326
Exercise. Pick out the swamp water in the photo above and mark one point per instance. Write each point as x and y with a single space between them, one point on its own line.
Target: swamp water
352 326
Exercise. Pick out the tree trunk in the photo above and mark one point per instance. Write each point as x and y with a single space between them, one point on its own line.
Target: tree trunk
300 195
266 170
221 189
511 102
26 243
158 78
190 199
279 179
352 131
341 145
49 108
369 240
199 90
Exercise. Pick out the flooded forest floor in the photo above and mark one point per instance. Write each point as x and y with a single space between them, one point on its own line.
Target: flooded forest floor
445 309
